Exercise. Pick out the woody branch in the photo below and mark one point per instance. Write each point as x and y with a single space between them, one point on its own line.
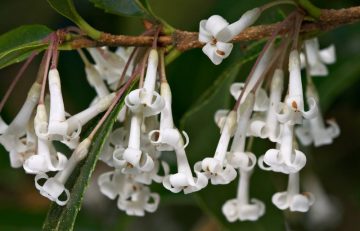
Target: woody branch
185 40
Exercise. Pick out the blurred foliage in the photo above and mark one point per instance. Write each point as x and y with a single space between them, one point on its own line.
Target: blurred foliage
190 76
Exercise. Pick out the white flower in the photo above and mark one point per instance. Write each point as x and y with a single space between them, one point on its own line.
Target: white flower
12 135
237 157
285 158
240 208
133 198
46 159
183 179
216 33
110 65
255 78
316 59
58 127
293 110
268 126
54 187
314 130
167 138
217 169
292 199
133 159
146 100
94 78
261 99
141 200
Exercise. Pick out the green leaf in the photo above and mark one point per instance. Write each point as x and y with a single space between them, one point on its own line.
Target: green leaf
122 7
67 9
16 45
63 218
345 75
198 122
140 8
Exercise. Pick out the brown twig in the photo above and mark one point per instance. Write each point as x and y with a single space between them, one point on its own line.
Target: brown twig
184 40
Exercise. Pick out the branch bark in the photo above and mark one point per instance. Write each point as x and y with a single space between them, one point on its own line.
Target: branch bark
185 40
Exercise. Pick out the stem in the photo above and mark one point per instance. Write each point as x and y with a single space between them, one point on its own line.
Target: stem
310 8
184 40
267 45
126 67
16 79
48 55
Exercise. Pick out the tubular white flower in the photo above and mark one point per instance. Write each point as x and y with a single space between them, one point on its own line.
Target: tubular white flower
293 110
132 159
314 130
10 137
54 187
183 179
167 138
268 127
25 147
115 183
133 198
146 100
261 99
140 201
286 158
216 168
317 59
292 199
109 64
246 20
94 78
215 49
237 157
56 126
240 208
46 159
76 121
259 70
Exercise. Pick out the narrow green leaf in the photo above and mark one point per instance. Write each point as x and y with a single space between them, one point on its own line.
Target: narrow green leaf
140 8
63 218
122 7
16 45
345 75
67 9
198 122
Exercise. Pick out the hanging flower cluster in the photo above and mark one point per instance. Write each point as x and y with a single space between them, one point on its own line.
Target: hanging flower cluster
265 108
278 114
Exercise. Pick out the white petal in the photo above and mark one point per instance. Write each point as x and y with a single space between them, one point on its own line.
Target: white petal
328 55
215 24
204 35
251 212
280 200
230 210
299 203
246 20
210 51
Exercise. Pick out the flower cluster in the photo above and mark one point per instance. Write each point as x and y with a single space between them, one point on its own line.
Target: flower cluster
30 137
144 131
278 114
